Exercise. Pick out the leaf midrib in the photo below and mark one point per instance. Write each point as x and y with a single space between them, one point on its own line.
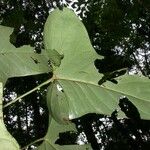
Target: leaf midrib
101 87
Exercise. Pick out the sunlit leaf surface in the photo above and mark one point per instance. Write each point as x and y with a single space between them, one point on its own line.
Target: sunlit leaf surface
79 78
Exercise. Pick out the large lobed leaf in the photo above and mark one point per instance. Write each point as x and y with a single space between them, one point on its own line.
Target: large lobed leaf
7 142
75 90
21 61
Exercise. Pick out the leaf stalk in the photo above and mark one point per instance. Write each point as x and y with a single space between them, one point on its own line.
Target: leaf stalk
27 93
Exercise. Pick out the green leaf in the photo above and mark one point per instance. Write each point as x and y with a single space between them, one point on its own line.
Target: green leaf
65 33
52 135
79 78
86 98
54 57
136 88
21 61
7 142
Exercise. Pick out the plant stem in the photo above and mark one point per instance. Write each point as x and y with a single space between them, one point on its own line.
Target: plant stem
38 140
29 92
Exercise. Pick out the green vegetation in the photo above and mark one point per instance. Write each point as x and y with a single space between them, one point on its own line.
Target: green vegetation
73 87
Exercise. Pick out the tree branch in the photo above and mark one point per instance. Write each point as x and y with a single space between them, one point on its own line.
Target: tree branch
29 92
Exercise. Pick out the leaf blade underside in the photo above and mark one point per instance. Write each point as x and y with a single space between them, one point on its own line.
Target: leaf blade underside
78 76
53 134
21 61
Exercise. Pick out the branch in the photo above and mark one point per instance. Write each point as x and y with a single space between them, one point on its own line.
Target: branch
38 140
146 62
138 65
29 92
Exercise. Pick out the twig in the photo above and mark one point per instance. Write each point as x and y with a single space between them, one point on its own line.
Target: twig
29 92
138 65
38 140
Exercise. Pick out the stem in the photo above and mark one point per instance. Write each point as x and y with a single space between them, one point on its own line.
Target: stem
29 92
38 140
138 65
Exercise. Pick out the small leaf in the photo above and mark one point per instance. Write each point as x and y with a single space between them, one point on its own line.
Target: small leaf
53 134
55 57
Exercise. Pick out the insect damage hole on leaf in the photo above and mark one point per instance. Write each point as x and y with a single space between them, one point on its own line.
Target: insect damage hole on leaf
59 88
